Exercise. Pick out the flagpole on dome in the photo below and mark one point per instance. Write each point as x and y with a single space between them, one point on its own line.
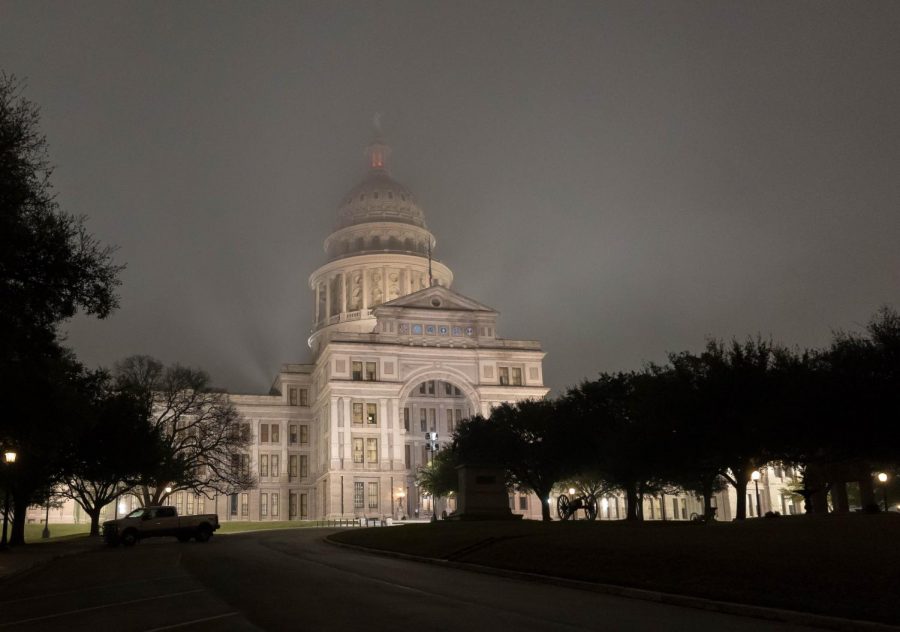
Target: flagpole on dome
378 150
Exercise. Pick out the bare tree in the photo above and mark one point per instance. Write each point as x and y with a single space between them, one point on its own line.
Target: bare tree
204 438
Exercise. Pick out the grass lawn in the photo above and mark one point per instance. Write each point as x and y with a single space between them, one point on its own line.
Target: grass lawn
838 565
241 526
57 532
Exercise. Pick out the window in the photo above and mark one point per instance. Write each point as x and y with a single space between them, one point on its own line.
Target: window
304 434
304 466
407 455
431 387
516 376
189 507
423 419
358 499
234 504
432 416
448 388
523 503
245 464
263 464
292 467
370 372
503 374
263 433
292 505
201 505
274 505
292 433
371 450
406 419
276 433
292 396
275 468
357 369
357 413
245 504
263 505
372 414
304 397
423 388
304 506
373 495
357 450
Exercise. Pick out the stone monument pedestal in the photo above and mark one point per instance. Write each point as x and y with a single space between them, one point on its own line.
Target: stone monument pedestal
482 494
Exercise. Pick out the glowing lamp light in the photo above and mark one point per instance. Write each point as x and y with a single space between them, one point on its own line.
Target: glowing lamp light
755 475
10 456
604 504
572 490
168 490
882 477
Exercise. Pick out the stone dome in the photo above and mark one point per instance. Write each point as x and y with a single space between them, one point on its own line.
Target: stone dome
380 198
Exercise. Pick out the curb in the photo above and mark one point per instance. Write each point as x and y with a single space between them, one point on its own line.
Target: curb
724 607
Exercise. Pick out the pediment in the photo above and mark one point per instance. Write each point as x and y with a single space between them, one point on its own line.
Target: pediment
437 298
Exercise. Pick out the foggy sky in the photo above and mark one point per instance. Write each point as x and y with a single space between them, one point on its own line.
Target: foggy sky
618 179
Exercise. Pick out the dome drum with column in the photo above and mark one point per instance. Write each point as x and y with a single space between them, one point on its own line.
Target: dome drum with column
380 250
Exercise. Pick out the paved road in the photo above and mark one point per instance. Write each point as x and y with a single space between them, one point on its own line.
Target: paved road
292 580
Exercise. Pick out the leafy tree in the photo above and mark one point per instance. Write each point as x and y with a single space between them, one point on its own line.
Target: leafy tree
440 478
199 428
50 268
112 453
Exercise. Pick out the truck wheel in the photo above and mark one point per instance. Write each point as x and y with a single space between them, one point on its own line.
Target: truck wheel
129 538
204 533
184 538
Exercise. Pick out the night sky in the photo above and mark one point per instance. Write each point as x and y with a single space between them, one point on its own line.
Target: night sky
618 179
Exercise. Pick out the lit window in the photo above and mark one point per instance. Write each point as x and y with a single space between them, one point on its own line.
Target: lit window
516 376
245 504
372 414
371 450
370 372
357 370
358 495
263 504
357 450
274 505
276 433
357 413
503 374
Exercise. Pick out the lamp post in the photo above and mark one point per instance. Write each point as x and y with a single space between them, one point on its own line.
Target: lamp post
10 457
400 496
755 478
45 534
882 478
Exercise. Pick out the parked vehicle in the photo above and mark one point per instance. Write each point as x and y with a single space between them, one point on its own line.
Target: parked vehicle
151 522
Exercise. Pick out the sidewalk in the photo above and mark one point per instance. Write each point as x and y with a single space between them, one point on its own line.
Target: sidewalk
19 559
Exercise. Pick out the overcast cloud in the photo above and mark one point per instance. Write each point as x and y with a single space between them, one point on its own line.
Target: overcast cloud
619 179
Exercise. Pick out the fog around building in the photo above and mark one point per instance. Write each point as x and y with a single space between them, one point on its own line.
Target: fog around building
617 179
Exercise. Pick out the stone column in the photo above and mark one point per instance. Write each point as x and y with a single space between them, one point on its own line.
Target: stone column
327 299
365 290
344 292
317 302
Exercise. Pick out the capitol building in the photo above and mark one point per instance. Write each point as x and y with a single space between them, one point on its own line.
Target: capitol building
396 354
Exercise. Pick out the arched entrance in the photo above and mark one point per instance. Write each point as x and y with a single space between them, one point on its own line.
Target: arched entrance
430 402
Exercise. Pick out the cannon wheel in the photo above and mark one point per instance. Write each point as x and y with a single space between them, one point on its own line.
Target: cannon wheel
590 507
562 507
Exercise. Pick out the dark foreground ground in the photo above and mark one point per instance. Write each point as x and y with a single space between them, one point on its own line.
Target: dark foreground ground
293 580
843 566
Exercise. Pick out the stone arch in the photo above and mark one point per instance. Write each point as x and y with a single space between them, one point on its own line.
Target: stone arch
445 374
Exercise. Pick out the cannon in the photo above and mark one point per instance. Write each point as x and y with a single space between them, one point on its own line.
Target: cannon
567 507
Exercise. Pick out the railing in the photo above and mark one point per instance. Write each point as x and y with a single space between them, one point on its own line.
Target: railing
343 317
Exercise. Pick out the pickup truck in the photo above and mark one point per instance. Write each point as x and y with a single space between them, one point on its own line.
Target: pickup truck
150 522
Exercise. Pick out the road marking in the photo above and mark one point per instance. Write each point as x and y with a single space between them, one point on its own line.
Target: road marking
101 607
97 587
193 621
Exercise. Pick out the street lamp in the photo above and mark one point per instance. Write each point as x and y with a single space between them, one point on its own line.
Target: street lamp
882 478
400 496
755 478
10 457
